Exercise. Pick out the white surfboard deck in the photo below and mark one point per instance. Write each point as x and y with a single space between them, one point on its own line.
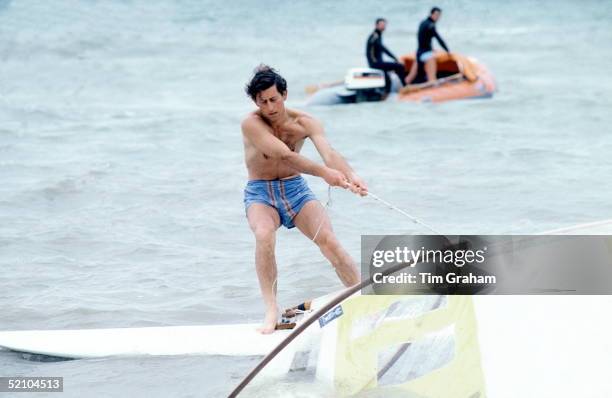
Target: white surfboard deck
239 339
231 340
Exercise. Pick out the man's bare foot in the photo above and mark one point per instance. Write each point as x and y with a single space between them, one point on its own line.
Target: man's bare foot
269 323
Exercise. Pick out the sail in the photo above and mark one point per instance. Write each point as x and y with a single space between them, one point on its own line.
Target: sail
414 346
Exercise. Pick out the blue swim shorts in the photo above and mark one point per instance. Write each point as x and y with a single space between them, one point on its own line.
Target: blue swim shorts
287 196
426 56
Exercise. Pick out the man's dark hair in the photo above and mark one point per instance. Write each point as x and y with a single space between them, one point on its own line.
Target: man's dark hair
378 20
434 10
265 77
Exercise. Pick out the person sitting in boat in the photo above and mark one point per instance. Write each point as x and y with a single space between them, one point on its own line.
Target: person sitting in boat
425 56
276 194
374 53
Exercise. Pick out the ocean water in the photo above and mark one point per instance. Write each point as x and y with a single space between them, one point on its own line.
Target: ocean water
121 163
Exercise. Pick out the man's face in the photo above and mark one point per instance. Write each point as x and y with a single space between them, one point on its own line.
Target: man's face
381 25
435 16
271 103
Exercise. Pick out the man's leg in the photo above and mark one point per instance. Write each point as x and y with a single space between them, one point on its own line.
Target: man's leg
387 67
400 71
430 69
308 220
264 221
412 74
387 82
380 65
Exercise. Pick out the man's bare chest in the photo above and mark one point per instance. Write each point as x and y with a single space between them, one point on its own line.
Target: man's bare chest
293 138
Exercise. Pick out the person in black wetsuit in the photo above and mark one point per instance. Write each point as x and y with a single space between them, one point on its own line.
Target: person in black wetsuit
374 54
425 55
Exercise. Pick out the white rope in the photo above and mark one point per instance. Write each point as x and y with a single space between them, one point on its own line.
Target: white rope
414 219
375 197
327 204
577 227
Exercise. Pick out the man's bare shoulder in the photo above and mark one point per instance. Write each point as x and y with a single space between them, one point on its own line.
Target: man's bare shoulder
306 120
252 121
299 116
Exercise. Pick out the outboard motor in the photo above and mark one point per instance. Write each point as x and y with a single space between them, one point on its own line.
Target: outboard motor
360 85
363 84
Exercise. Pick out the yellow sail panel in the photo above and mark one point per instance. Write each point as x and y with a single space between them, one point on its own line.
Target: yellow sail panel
425 345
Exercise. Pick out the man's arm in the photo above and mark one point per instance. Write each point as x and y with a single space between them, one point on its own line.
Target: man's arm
389 53
439 38
330 156
256 132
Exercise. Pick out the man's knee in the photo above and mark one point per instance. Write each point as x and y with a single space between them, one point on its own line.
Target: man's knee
327 241
264 234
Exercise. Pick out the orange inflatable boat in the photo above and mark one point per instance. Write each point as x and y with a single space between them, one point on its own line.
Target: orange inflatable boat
458 77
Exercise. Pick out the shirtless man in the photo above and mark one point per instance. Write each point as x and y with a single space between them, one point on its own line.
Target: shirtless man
276 192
